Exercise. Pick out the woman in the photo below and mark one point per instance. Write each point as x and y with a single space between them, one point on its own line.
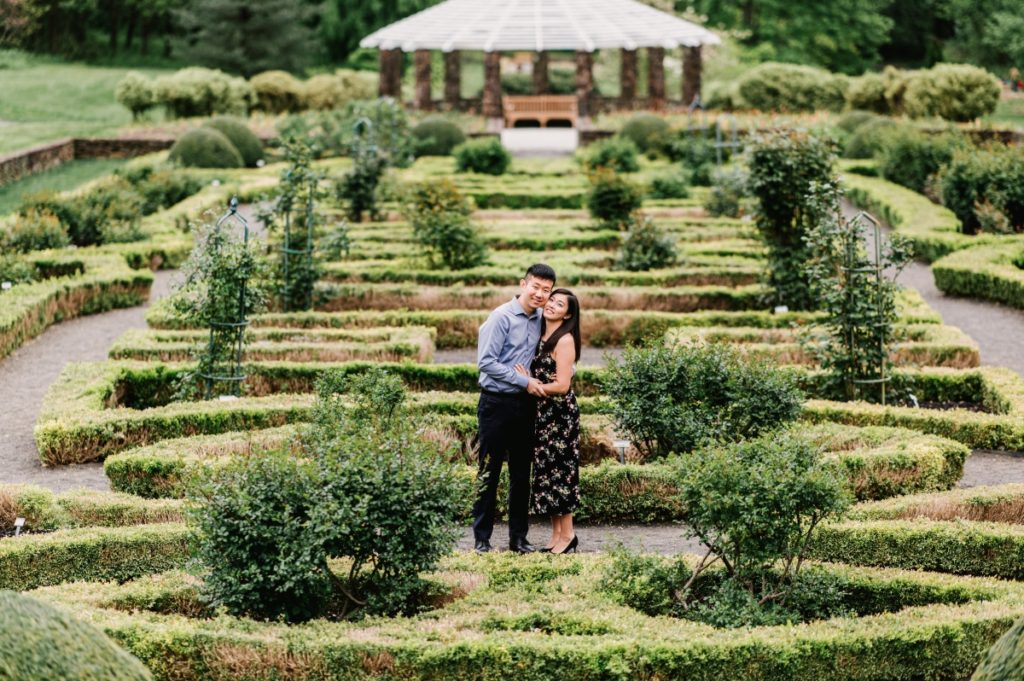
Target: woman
556 454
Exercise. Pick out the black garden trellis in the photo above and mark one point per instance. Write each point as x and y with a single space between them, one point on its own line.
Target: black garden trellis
301 188
228 333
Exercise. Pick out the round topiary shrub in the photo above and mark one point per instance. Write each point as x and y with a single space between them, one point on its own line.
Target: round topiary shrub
196 91
792 87
617 153
239 134
136 93
336 90
870 138
613 199
205 148
867 93
277 92
437 136
956 92
1004 661
647 131
37 641
486 156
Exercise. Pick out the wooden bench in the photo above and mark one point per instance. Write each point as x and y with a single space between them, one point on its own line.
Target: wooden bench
540 108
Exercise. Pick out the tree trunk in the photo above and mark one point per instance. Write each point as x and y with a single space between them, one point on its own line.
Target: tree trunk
656 77
453 79
584 81
421 59
627 76
129 36
492 85
692 69
390 74
541 83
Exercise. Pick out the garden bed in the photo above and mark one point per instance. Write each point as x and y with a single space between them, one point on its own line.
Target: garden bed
548 619
987 272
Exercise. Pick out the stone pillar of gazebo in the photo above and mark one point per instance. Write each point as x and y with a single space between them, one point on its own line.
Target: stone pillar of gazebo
452 79
627 76
421 63
692 68
656 77
541 84
584 81
492 85
390 84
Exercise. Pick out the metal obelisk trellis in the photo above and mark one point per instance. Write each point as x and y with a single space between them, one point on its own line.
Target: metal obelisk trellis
852 266
237 326
286 249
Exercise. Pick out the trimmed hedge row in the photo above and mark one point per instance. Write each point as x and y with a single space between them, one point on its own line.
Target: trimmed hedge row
921 345
549 619
988 272
43 510
105 283
80 420
880 462
292 345
933 229
91 554
332 297
604 328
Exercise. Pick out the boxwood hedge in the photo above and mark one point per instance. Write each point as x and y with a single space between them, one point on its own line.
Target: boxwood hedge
989 272
548 619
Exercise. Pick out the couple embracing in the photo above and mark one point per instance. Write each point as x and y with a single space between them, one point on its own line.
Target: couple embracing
527 353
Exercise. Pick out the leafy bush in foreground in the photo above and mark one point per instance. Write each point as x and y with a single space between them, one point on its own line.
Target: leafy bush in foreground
1005 660
675 399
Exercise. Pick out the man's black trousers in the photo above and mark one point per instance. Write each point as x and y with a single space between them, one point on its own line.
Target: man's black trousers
505 434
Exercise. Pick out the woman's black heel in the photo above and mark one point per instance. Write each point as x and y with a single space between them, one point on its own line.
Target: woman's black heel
571 546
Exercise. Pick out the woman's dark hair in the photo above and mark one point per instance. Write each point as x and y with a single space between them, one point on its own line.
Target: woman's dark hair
570 325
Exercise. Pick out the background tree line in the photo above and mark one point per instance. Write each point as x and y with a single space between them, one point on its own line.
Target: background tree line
246 36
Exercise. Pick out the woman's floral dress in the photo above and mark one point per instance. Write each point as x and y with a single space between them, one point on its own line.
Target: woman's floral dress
556 451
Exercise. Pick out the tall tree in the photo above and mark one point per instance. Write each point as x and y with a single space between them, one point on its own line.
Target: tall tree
249 36
986 32
842 37
344 22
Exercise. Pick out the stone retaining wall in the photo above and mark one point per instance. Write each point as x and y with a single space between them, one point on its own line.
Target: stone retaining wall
37 159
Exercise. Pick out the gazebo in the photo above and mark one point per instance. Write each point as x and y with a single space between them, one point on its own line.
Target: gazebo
540 26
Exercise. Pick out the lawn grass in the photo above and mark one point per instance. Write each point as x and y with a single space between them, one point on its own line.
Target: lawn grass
43 101
60 179
1009 111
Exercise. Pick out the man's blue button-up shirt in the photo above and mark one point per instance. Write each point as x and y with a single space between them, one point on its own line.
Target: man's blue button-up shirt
508 337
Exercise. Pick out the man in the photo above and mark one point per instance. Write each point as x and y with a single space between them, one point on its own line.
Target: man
506 409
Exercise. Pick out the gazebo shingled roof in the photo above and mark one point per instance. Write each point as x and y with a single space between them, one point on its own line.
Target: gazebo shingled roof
539 25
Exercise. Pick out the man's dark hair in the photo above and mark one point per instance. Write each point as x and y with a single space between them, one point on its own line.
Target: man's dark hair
541 271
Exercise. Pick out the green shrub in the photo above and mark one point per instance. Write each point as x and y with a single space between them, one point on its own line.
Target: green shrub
14 270
38 641
241 137
136 93
870 138
697 155
671 185
616 153
647 131
487 156
646 247
277 92
851 121
792 87
197 91
955 92
255 531
674 399
34 230
1004 661
728 189
338 90
439 215
793 182
976 177
205 148
910 157
613 199
437 136
161 189
866 94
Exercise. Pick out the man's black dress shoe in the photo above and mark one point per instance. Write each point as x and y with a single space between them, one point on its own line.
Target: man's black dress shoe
482 547
521 546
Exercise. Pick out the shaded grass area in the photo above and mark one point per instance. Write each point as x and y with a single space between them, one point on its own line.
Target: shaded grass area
62 178
46 101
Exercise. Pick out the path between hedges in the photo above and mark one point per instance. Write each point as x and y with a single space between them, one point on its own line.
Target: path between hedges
28 372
